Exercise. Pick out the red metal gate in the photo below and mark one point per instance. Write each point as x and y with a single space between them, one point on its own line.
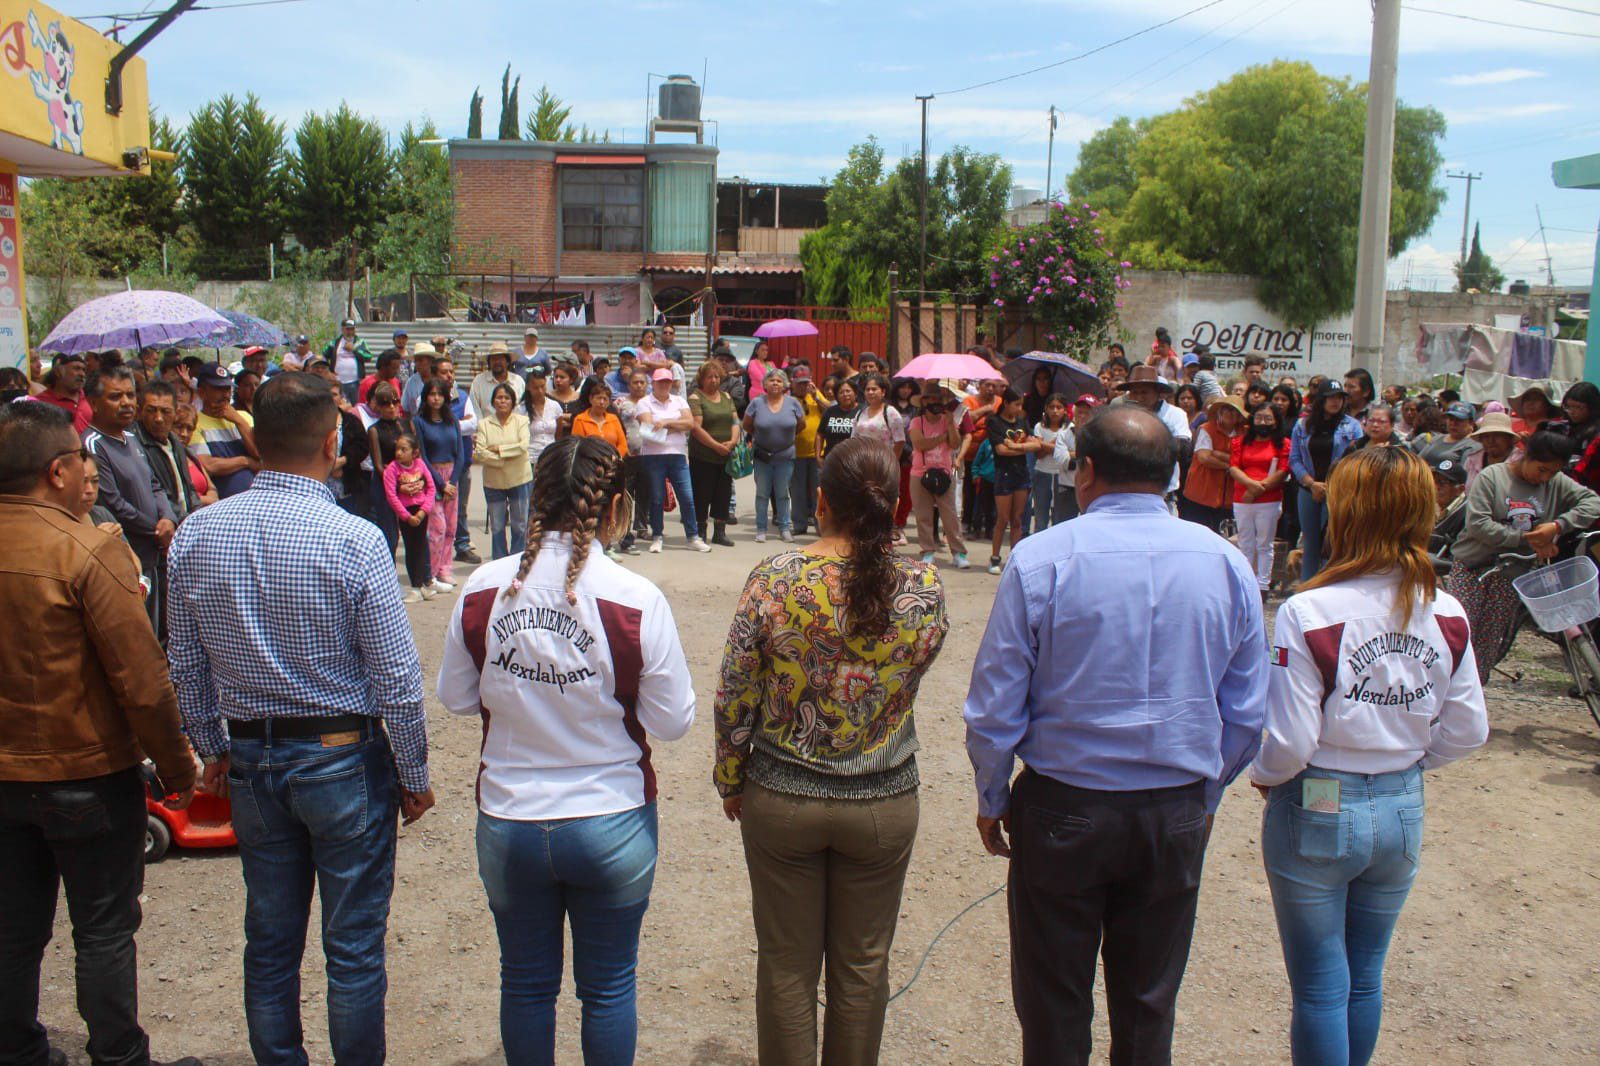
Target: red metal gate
861 329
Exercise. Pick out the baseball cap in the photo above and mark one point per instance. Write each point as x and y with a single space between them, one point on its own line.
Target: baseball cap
1086 401
627 350
401 333
567 358
215 375
800 371
530 332
1460 410
348 323
1451 470
1190 359
302 339
662 374
254 349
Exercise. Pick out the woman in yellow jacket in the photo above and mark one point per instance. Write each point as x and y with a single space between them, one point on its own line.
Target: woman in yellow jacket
501 450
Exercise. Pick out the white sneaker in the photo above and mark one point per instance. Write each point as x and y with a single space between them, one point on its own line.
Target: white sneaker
414 596
656 546
442 586
962 563
927 557
786 536
699 544
429 592
761 538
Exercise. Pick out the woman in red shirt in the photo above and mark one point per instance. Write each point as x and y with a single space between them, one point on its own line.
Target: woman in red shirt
1259 467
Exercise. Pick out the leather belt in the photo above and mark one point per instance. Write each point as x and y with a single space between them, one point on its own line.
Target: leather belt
263 728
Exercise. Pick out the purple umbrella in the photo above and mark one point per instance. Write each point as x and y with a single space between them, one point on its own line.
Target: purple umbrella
133 320
785 327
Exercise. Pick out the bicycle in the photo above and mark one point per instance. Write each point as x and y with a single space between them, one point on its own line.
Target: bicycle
1577 644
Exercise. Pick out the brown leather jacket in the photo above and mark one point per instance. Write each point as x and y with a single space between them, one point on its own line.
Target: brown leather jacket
83 682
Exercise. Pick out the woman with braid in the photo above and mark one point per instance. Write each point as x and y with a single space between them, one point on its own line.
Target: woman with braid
816 756
570 660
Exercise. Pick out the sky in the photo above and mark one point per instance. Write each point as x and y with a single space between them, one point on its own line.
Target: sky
792 85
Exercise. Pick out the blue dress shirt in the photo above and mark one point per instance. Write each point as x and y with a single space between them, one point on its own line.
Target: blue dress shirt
1125 651
282 604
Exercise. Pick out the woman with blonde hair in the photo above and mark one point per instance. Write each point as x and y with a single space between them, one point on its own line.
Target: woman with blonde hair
570 660
1374 682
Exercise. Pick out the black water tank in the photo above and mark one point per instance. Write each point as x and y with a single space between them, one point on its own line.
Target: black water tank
679 100
1518 288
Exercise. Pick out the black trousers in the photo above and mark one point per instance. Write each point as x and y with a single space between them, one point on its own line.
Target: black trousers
1110 873
712 490
89 835
1200 514
419 566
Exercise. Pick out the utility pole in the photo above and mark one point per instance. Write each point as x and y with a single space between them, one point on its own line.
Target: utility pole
1466 213
922 263
1549 267
1377 168
1050 155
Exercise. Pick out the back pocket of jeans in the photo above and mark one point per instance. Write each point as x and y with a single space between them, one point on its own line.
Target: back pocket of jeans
1321 836
1411 831
333 806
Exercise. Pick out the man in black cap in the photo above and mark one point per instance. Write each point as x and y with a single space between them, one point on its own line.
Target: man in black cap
349 357
224 438
1450 490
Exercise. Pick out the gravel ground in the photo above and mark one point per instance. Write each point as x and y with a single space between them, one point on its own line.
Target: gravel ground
1494 960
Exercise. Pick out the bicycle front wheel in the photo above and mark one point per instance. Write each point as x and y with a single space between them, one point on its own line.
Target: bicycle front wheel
1584 662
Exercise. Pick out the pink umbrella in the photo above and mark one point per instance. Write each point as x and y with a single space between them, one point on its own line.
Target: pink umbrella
785 327
953 366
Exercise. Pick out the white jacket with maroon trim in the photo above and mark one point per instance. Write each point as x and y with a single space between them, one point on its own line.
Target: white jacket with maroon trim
567 692
1350 690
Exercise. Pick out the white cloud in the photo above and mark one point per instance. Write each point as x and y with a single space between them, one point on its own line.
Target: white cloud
1431 267
1503 112
1344 27
1503 76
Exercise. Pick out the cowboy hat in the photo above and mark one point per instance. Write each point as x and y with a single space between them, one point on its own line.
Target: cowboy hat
1146 375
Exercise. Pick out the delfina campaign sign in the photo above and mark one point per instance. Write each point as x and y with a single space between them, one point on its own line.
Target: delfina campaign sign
1239 328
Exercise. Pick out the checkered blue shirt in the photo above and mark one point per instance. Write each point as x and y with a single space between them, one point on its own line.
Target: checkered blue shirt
282 605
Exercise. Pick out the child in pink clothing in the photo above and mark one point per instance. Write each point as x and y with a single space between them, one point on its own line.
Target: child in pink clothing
408 485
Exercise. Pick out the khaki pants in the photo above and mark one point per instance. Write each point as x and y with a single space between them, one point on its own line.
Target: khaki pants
923 503
825 880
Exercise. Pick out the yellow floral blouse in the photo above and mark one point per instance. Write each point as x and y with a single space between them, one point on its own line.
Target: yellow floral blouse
805 710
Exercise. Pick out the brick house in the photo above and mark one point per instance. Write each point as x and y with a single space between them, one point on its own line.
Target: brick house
625 227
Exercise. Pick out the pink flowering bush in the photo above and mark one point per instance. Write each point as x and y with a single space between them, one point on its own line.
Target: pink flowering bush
1061 274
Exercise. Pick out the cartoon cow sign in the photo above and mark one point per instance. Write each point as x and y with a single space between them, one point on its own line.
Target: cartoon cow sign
53 85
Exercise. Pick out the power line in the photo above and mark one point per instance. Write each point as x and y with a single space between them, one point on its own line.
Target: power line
1495 22
1082 55
1561 7
142 17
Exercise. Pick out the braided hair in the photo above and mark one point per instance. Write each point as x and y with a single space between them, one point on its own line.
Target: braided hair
574 485
861 480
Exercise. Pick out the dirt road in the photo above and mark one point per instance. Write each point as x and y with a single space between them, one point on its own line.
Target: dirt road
1497 958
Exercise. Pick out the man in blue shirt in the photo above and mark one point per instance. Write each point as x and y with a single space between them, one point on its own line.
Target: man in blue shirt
285 621
1125 664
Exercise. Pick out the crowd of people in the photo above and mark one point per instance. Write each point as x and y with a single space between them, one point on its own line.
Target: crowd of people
253 518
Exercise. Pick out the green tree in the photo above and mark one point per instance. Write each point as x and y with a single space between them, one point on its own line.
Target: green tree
153 201
475 116
1061 273
873 223
1104 177
548 119
1261 175
71 232
1479 271
235 178
339 179
508 105
415 237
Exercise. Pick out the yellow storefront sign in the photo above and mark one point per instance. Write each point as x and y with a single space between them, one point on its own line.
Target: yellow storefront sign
53 118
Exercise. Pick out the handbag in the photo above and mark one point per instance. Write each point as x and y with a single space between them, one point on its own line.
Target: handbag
671 503
936 481
740 462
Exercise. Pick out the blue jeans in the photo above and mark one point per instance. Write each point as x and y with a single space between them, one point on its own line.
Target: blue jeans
772 483
463 494
1046 501
657 470
508 508
1313 517
305 815
596 873
1338 882
803 493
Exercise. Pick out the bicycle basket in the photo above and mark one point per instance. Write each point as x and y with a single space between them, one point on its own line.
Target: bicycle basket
1563 594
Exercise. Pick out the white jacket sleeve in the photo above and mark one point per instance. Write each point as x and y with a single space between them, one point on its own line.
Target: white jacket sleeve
666 691
1065 442
1294 706
1463 723
457 686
